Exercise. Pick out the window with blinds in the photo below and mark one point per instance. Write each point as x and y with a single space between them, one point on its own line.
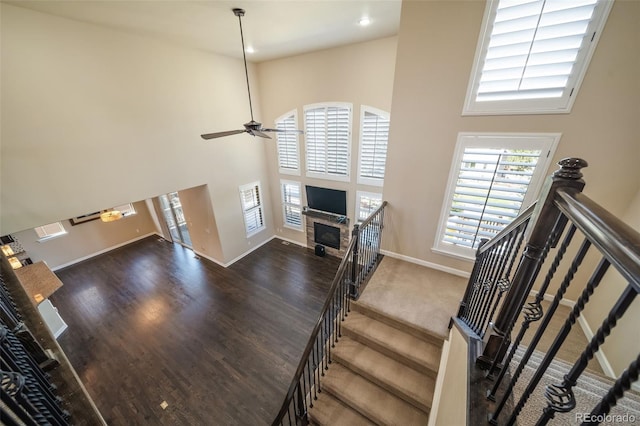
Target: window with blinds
328 140
374 137
533 55
287 142
291 204
250 196
367 203
493 178
51 230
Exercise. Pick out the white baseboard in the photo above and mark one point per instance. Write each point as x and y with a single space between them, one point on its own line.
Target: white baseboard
89 256
549 298
298 243
600 356
588 332
431 265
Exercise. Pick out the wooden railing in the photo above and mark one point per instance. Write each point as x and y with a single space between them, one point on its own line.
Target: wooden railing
562 213
360 260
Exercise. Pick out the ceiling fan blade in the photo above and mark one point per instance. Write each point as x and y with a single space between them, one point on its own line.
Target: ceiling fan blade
222 134
282 131
259 133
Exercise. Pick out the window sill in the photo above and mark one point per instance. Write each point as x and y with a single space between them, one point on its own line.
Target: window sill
51 237
340 178
252 233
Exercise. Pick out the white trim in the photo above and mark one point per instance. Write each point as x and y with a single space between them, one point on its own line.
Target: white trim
285 171
442 369
284 204
252 186
549 298
431 265
542 141
561 105
600 355
586 329
108 249
384 114
298 243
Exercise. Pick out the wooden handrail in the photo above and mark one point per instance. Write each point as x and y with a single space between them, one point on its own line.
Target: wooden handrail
522 217
616 240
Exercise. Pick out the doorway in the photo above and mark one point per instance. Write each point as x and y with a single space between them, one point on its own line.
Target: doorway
174 216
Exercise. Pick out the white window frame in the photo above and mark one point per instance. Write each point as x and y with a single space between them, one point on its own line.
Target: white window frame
359 196
286 204
280 143
544 141
254 186
533 106
326 174
50 231
368 180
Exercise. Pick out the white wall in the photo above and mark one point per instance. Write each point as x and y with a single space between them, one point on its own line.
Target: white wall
93 117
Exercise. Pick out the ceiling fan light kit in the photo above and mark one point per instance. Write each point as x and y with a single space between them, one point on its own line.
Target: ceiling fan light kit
253 127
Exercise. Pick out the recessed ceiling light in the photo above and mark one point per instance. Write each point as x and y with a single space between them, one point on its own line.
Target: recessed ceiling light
364 21
249 50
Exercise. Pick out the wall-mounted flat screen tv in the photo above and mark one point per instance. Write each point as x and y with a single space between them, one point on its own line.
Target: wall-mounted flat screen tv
327 200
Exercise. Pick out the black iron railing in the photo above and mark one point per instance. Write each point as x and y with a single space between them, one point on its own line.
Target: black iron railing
360 260
561 213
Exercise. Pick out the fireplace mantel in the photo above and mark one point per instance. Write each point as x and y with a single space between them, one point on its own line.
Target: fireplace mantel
329 219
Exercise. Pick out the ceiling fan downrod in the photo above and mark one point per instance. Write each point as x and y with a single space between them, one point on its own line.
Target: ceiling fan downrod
240 13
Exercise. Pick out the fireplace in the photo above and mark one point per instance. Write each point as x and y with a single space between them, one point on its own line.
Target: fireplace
326 235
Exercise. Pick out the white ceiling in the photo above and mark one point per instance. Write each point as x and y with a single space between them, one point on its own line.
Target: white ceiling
274 28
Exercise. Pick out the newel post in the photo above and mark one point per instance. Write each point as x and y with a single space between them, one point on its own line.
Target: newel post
545 222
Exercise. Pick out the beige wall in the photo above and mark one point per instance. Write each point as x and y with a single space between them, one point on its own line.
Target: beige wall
622 346
201 221
87 239
436 46
360 74
93 117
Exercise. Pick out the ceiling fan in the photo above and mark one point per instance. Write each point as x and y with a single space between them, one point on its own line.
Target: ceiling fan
253 127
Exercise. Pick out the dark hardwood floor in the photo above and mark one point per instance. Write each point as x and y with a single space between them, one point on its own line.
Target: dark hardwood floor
150 323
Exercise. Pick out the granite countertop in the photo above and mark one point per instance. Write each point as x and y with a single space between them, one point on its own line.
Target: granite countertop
38 281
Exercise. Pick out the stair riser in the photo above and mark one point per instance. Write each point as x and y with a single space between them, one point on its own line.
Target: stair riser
395 391
407 328
388 351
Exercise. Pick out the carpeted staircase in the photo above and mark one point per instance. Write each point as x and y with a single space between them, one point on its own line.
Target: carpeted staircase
383 372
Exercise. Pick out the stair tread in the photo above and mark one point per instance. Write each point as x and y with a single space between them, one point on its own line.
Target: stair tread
393 342
372 401
327 410
411 385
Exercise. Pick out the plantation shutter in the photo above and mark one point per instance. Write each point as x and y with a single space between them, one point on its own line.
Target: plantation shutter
327 133
533 48
252 208
292 204
489 192
373 146
287 144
